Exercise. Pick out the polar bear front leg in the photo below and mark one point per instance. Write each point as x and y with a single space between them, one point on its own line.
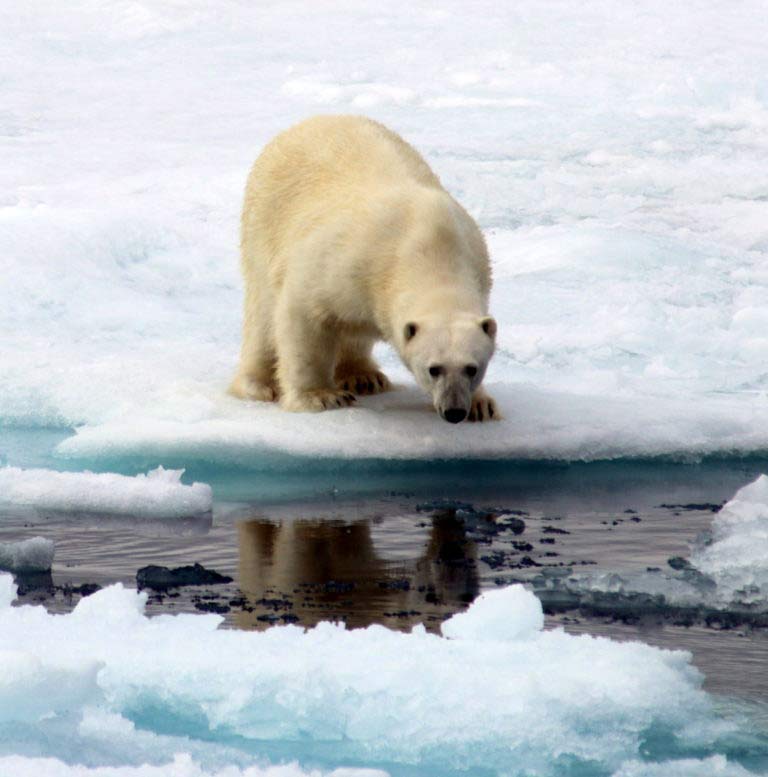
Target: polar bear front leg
356 371
483 407
306 356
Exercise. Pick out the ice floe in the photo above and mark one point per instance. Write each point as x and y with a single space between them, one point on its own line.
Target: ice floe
622 195
735 557
497 691
157 494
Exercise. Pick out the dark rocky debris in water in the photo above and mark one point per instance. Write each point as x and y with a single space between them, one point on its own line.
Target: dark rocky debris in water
395 585
208 606
636 607
700 506
162 578
480 524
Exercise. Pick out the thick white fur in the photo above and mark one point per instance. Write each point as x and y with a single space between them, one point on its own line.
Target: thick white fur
347 238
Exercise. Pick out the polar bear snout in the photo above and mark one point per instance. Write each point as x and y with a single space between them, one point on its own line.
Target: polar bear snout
455 415
452 397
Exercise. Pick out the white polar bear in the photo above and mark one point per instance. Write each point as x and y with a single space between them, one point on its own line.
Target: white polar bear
347 238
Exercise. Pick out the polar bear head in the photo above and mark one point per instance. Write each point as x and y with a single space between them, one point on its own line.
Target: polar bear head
448 357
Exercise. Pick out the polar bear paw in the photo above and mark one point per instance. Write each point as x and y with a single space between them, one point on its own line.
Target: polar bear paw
315 401
373 382
483 408
244 387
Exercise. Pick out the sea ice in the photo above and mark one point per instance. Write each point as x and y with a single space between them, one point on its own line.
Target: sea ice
488 618
32 555
499 691
158 494
612 155
736 556
727 568
716 766
181 766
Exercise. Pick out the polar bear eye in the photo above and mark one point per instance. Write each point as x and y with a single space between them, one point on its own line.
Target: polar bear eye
435 370
470 370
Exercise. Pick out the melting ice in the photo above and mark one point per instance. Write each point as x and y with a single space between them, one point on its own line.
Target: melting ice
107 686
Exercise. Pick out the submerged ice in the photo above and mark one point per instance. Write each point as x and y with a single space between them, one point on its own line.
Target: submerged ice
495 695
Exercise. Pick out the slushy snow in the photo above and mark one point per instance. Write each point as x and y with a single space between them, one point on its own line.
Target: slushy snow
32 555
614 154
158 494
107 686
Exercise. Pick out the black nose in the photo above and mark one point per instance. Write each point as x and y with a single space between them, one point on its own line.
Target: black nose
455 415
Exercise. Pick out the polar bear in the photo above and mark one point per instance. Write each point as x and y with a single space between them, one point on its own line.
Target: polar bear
348 237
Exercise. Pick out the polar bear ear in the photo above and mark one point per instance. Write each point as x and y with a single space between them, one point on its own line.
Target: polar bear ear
488 325
409 331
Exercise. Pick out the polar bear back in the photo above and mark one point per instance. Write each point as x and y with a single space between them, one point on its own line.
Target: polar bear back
335 203
326 164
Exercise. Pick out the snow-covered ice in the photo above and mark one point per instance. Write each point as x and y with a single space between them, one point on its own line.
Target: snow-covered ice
107 686
158 494
32 555
613 153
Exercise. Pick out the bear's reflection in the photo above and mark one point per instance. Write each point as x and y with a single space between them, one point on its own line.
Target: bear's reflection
306 571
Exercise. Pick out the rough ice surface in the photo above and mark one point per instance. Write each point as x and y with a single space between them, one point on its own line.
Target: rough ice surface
32 555
181 766
158 494
716 766
107 686
736 557
613 154
488 620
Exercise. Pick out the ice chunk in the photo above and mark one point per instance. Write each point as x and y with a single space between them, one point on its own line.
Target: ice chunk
32 555
501 690
511 613
158 494
727 573
737 556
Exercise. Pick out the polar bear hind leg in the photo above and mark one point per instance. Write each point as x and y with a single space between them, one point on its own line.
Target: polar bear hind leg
257 372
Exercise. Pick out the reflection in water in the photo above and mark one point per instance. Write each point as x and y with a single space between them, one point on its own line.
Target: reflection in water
306 571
